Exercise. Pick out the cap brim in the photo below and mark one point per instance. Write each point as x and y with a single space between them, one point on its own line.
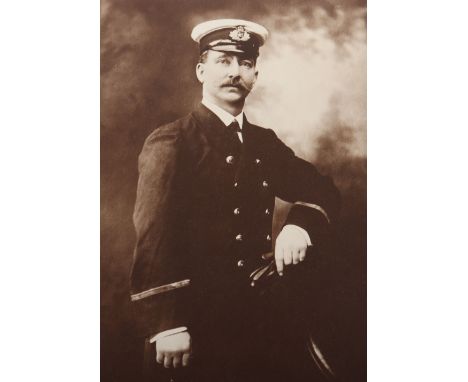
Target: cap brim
227 48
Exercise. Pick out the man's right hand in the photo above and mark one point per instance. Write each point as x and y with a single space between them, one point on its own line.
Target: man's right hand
174 350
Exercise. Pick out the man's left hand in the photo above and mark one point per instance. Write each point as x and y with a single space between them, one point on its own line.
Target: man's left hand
290 247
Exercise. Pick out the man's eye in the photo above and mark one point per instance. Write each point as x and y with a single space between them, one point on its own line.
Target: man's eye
223 61
247 64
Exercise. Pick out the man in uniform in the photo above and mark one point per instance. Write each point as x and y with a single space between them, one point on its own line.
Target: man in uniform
203 218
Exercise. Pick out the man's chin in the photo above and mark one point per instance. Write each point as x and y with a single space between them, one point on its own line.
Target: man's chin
234 95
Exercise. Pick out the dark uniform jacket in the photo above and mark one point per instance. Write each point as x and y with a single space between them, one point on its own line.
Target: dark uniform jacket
204 208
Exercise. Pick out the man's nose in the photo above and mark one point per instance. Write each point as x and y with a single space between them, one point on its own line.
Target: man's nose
233 70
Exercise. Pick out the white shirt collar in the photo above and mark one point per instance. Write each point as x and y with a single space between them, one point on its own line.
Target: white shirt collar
226 117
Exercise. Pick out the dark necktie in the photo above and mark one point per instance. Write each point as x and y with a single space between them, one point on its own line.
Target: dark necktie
235 128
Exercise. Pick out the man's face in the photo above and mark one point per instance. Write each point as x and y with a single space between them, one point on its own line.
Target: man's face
227 77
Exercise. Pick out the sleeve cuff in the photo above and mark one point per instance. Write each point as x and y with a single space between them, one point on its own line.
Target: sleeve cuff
312 220
159 312
167 333
316 207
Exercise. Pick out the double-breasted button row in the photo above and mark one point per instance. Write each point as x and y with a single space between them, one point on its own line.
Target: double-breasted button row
230 160
239 237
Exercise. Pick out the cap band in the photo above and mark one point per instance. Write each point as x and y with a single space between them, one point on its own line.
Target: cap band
236 39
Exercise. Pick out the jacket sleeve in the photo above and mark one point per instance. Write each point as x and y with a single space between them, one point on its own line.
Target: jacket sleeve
316 199
158 278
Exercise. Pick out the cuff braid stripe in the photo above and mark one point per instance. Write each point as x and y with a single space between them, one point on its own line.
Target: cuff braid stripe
315 206
159 289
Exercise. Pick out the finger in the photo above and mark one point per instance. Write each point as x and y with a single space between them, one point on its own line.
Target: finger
159 357
167 360
177 360
295 256
302 254
279 259
287 257
185 359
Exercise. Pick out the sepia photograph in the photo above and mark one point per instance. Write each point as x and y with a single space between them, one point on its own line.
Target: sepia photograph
233 190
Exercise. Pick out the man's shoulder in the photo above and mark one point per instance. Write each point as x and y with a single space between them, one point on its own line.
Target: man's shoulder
264 134
173 133
172 129
260 129
267 141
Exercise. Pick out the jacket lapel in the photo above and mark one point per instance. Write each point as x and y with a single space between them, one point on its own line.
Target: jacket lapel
211 126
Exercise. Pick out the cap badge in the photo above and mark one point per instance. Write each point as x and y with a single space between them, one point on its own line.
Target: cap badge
239 34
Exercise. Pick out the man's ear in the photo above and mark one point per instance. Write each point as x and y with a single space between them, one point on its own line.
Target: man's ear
256 77
200 70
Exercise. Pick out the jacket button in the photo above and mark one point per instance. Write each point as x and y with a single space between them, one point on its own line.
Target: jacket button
236 211
265 184
239 237
268 238
258 161
240 263
267 211
236 184
229 159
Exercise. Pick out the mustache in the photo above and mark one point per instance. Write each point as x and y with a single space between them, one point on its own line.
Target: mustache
237 84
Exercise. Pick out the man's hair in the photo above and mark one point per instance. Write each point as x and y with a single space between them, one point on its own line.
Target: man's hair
204 57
